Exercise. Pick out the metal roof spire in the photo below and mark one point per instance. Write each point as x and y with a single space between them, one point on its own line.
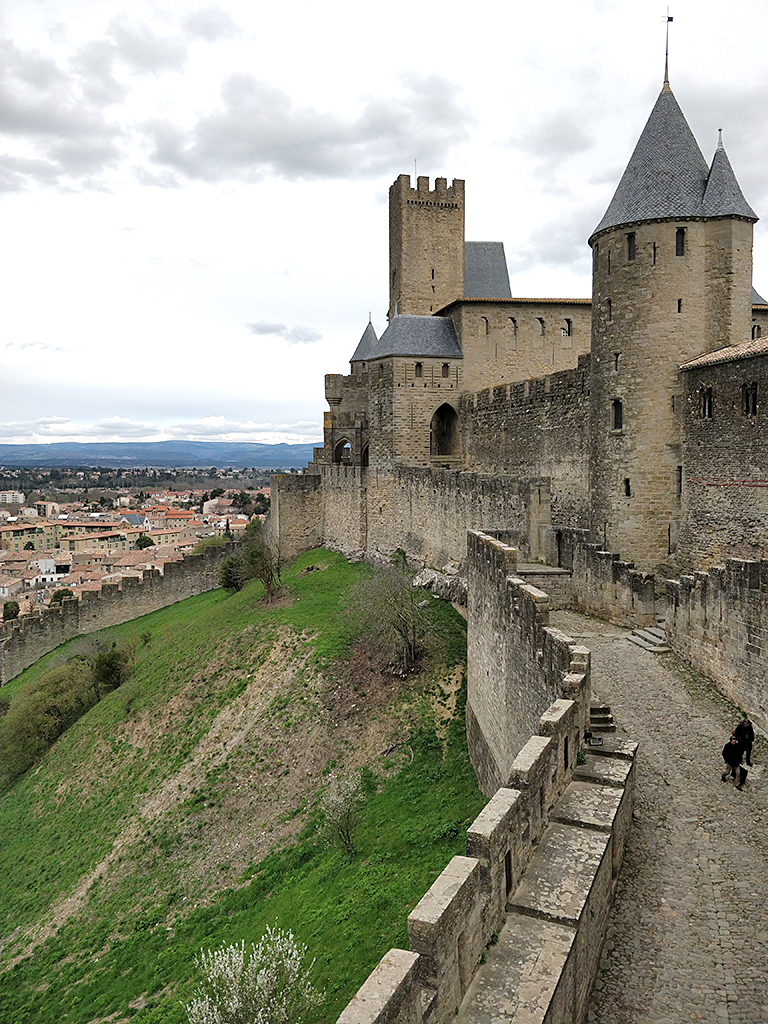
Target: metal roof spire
666 57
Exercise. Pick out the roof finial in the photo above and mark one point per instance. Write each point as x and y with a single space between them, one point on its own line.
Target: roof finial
719 138
369 317
666 56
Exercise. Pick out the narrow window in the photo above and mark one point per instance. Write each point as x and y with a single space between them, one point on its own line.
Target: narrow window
749 398
654 254
433 273
679 480
542 326
512 324
706 403
680 242
446 369
609 261
679 305
484 325
616 358
381 369
631 245
567 329
508 871
565 752
596 253
673 403
417 371
756 330
618 415
627 487
609 309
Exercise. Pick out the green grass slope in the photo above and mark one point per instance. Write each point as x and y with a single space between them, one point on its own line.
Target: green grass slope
180 811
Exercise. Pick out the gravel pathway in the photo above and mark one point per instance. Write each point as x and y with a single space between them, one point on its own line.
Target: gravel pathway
688 936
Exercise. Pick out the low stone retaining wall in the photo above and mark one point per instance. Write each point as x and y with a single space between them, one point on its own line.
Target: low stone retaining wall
513 930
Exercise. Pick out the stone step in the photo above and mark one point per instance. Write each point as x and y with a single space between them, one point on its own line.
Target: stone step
654 631
650 635
603 727
648 642
599 709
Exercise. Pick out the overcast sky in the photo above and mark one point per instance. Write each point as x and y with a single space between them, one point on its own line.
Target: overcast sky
194 218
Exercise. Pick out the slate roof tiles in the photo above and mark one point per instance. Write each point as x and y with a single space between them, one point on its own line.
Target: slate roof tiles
667 176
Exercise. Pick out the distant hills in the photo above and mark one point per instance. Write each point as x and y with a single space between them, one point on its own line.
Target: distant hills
181 454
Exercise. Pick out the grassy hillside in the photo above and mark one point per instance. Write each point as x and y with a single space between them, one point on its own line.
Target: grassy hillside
180 811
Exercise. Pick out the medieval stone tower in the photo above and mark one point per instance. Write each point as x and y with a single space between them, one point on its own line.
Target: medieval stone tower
426 245
672 273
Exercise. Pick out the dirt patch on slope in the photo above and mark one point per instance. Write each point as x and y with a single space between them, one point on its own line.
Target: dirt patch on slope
247 784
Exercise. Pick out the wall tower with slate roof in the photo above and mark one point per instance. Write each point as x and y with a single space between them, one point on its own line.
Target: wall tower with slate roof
672 275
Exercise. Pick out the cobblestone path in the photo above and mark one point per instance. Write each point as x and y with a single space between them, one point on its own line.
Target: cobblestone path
688 935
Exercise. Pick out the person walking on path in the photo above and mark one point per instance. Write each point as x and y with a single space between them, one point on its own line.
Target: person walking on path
745 737
733 757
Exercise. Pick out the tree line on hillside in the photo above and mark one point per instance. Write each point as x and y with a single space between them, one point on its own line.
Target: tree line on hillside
45 709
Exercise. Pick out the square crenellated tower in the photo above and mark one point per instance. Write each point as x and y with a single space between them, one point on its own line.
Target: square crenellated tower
426 245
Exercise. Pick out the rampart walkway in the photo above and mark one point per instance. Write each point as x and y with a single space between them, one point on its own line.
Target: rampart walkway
688 933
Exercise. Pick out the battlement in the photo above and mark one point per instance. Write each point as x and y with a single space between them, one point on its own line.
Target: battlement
442 197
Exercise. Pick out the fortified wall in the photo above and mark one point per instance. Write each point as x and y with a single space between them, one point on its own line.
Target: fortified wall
513 930
725 441
28 638
426 512
716 621
541 427
517 665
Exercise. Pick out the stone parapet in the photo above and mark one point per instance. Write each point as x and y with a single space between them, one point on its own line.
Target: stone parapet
513 931
517 664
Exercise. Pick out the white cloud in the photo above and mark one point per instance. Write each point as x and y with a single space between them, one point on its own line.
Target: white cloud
298 335
258 130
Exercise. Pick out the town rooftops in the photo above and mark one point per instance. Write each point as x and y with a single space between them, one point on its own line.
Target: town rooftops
667 176
417 336
756 347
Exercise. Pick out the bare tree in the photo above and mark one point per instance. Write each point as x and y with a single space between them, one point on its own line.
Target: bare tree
393 614
268 985
342 807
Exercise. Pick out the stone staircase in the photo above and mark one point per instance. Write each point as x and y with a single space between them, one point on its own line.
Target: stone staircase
652 639
601 719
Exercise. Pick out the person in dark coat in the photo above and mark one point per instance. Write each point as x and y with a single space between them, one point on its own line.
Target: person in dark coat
733 757
745 737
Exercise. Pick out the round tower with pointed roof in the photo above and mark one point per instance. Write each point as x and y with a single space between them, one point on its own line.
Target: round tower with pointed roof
672 274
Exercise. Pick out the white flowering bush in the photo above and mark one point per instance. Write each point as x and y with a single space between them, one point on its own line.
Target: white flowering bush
268 985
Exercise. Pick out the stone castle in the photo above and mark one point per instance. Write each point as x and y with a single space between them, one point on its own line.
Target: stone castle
612 437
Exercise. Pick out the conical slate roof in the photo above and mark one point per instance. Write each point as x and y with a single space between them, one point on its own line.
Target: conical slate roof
722 195
366 345
415 336
666 174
